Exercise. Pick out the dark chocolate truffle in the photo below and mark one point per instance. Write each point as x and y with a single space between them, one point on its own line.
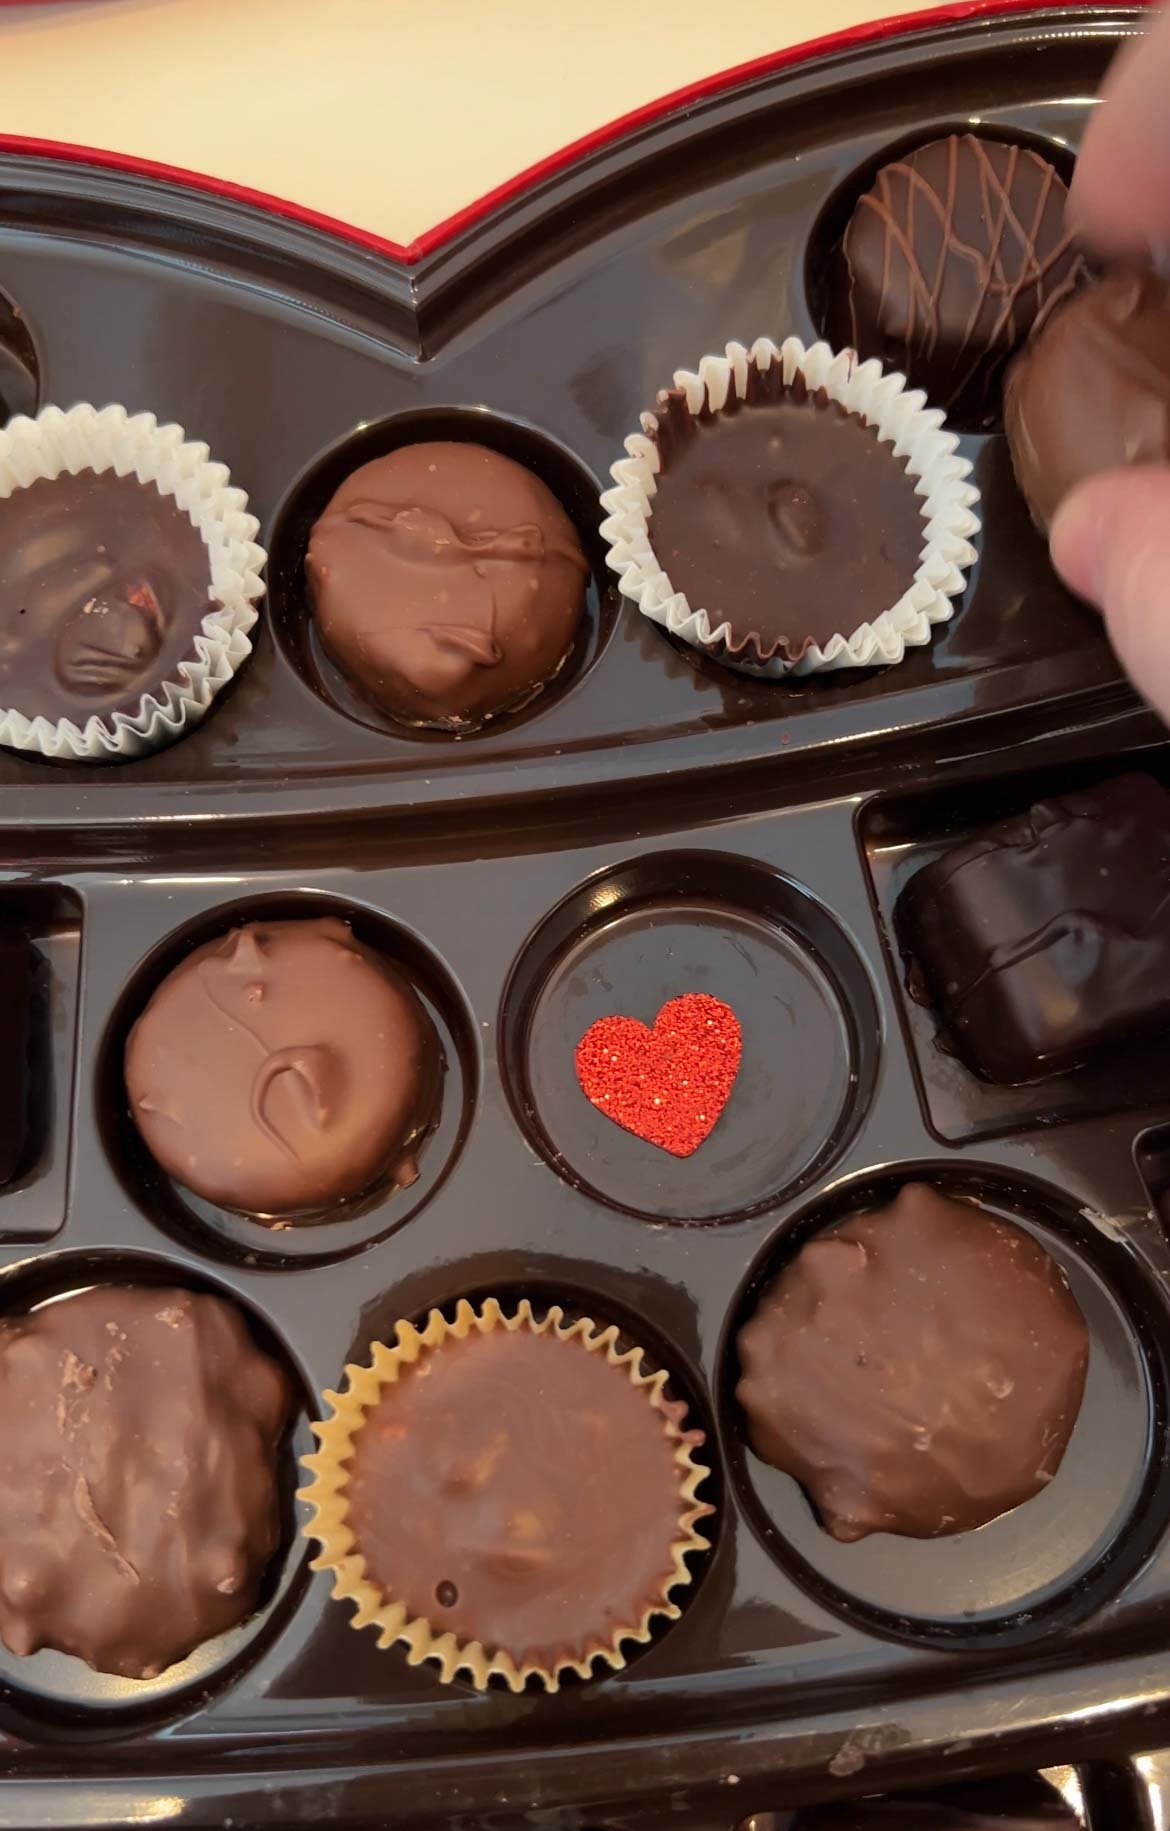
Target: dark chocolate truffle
918 1369
1047 937
16 992
283 1068
519 1490
104 586
1092 390
783 515
139 1493
447 583
947 262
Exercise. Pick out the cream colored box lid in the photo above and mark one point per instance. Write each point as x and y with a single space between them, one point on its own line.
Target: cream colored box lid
387 115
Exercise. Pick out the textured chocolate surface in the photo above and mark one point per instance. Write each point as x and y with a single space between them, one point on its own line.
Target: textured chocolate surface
784 515
918 1369
103 588
16 991
947 262
447 582
139 1499
1092 390
283 1068
517 1490
1047 936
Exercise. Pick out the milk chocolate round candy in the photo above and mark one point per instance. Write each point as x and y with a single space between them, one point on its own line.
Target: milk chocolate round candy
283 1068
139 1499
918 1369
103 589
947 261
1092 390
447 582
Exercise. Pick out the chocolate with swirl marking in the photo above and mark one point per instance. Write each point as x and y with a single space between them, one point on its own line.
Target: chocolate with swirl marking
948 261
283 1068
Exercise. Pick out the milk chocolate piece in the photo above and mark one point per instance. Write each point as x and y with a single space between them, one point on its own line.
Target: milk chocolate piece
447 583
16 991
947 262
139 1500
103 589
1047 937
283 1068
515 1489
783 515
1092 390
918 1369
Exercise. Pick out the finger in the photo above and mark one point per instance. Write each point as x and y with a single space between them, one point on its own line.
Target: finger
1120 201
1110 539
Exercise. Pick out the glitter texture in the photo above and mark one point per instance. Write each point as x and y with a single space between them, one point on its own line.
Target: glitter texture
667 1085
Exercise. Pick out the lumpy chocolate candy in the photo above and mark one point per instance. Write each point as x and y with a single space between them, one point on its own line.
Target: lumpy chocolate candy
16 991
139 1493
783 515
1046 938
283 1068
516 1489
447 583
1092 390
104 586
918 1369
947 262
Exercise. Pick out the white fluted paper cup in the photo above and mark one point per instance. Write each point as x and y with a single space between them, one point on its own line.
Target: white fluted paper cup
901 419
85 438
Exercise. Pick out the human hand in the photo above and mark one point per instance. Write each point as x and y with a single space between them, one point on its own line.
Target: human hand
1111 536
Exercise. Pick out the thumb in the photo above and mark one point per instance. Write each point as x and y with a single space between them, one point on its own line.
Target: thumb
1111 544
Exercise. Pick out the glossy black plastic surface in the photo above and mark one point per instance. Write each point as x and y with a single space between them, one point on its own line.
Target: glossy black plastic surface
653 824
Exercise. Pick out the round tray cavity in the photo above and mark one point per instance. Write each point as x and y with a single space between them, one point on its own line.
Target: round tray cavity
1052 1560
51 1688
336 1232
292 620
652 930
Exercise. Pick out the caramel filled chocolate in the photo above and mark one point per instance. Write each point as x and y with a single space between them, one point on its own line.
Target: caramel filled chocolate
947 262
515 1489
1047 937
139 1500
283 1068
104 586
783 515
447 582
1092 390
918 1369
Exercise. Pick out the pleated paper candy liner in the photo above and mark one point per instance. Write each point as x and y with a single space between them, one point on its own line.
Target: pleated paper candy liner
85 438
900 418
341 1554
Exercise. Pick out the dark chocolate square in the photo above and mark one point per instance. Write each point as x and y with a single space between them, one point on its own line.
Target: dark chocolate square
1047 937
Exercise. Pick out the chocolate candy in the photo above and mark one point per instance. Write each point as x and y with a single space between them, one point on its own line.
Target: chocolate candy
139 1500
1092 390
283 1068
1047 937
447 583
516 1489
918 1369
16 990
947 262
103 589
783 515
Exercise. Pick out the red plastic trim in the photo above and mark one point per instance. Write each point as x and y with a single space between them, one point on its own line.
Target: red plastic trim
899 25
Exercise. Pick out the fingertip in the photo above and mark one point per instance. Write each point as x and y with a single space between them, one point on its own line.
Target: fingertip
1109 542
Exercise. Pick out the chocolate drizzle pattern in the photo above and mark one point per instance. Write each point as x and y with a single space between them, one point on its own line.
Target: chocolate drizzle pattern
948 262
447 582
1047 937
283 1068
139 1500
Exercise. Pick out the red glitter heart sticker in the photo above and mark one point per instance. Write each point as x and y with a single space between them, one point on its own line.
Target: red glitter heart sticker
667 1085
